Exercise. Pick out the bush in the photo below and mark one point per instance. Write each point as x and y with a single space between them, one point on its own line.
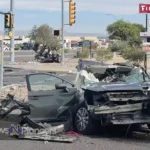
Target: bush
65 51
118 46
133 54
16 48
103 54
82 54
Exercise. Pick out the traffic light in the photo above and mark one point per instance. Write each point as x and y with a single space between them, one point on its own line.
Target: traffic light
72 12
7 20
56 32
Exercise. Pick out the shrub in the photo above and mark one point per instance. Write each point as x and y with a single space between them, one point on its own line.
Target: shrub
118 46
82 54
65 51
103 54
133 54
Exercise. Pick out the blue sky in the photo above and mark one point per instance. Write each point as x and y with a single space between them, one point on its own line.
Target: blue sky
90 18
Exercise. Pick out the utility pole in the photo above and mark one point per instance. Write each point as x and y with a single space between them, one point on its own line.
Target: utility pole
1 62
12 3
72 13
146 25
62 32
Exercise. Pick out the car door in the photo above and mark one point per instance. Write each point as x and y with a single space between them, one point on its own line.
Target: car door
44 99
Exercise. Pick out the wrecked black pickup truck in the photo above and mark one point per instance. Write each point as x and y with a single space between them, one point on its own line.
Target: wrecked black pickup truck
107 94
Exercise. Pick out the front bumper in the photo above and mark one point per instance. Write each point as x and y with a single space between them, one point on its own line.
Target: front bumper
132 118
122 114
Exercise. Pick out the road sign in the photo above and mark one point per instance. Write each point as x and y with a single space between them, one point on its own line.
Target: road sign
144 8
6 31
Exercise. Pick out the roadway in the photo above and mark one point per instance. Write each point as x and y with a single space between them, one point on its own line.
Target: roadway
28 55
17 76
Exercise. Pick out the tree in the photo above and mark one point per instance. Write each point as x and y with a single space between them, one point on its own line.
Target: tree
95 45
125 31
118 46
32 33
103 54
135 55
44 35
140 26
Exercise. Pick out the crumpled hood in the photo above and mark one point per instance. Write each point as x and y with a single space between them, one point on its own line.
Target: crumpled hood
100 87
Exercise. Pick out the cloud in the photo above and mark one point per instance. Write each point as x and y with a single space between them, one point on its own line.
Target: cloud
105 6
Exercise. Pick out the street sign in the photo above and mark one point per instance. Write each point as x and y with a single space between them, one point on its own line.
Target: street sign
144 8
7 31
145 34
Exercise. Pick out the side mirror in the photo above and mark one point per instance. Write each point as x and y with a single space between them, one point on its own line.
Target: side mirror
60 86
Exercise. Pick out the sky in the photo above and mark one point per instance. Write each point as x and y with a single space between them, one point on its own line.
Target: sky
92 16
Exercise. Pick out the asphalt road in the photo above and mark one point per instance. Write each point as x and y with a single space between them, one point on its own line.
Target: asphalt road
28 55
17 76
95 142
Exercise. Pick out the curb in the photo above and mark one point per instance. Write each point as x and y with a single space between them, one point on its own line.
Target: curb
53 70
56 70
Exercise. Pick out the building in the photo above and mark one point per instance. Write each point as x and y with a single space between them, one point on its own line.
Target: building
75 41
17 40
145 36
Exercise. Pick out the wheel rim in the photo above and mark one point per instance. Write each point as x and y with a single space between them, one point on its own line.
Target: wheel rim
82 119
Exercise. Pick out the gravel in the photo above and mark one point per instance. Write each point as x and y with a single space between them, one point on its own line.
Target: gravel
18 90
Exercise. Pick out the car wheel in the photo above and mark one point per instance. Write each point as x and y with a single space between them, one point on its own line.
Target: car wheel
83 123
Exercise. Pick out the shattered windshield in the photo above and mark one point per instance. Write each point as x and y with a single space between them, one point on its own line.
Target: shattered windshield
135 75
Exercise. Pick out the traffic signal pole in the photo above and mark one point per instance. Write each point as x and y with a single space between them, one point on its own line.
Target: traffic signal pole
12 55
62 32
71 21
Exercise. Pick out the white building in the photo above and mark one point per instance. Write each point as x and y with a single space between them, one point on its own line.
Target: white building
17 40
146 40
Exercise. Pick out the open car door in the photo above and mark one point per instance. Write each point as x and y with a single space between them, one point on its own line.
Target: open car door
49 96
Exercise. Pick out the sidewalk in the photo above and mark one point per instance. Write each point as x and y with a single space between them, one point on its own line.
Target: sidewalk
68 67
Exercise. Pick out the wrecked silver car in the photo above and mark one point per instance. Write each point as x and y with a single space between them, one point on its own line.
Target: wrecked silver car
109 94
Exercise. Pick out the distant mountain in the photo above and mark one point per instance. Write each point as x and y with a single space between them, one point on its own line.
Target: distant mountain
19 32
26 32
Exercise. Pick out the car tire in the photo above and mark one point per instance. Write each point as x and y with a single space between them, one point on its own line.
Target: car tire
83 123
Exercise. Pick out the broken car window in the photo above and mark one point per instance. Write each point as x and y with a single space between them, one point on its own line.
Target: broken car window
43 82
136 75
